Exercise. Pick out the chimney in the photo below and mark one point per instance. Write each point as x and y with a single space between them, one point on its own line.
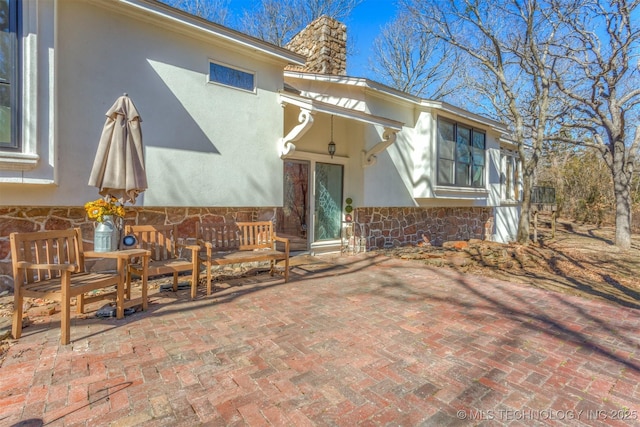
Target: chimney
324 43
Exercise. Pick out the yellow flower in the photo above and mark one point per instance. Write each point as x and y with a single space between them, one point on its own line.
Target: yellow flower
97 209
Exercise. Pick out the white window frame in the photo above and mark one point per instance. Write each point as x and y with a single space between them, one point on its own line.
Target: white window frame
26 157
510 182
12 82
233 68
472 130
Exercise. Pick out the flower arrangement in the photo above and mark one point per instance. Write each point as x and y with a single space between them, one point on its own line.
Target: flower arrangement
97 209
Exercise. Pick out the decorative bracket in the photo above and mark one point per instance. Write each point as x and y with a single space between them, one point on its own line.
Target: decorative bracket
369 158
305 119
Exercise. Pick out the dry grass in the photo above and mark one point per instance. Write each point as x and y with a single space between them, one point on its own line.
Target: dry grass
580 260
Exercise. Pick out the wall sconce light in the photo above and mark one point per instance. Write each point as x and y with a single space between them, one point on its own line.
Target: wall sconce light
332 145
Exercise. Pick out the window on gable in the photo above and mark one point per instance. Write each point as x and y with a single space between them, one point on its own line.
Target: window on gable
8 75
233 77
461 155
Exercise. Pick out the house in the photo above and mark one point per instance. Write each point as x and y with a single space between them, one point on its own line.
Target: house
237 128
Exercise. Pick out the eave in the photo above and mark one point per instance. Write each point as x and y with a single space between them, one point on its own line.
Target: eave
326 108
380 90
155 11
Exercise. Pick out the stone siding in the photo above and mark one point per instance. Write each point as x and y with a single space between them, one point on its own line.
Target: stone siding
324 43
389 227
23 219
381 227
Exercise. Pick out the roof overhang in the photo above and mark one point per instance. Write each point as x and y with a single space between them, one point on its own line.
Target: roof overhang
314 106
185 22
507 143
458 113
387 92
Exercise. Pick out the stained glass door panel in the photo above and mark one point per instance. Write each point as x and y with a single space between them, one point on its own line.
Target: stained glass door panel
328 201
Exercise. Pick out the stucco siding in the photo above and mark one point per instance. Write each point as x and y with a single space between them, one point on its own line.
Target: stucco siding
506 223
205 144
387 182
391 181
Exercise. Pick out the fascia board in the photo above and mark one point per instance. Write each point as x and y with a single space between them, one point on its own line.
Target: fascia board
454 112
388 93
368 86
506 142
190 24
326 78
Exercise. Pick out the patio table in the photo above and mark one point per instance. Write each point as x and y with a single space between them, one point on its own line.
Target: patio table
123 258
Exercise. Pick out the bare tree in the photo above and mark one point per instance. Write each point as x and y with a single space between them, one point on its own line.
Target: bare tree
273 21
413 61
277 21
213 10
598 71
508 44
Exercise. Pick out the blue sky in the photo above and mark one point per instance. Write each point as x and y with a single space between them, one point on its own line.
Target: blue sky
363 26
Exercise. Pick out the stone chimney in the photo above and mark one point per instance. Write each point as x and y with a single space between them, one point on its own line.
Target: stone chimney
324 43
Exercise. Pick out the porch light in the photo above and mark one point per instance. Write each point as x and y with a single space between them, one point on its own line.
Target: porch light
332 149
332 145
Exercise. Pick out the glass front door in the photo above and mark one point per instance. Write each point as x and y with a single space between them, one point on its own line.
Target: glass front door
328 201
293 217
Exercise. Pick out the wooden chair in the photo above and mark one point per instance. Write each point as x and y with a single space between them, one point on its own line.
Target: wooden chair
50 265
162 241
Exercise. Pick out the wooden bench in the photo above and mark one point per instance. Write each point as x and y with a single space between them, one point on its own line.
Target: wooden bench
163 243
50 265
240 242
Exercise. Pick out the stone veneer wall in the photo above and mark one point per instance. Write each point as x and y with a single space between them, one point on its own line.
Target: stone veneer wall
24 219
389 227
324 43
381 227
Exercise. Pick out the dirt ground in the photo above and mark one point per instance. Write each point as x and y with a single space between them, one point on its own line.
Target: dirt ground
581 259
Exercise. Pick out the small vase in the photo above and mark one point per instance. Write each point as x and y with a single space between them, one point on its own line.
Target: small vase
105 235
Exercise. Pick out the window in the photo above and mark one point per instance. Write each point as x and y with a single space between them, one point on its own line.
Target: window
232 77
461 155
8 75
510 176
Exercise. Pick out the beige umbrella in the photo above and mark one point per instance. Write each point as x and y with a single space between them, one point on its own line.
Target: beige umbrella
118 169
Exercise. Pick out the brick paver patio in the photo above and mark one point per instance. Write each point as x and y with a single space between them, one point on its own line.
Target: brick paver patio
373 341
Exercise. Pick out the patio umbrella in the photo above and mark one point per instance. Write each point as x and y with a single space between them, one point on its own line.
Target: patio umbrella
118 168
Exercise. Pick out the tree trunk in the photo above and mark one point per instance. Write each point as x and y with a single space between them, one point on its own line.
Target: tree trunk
622 193
623 220
525 214
618 157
